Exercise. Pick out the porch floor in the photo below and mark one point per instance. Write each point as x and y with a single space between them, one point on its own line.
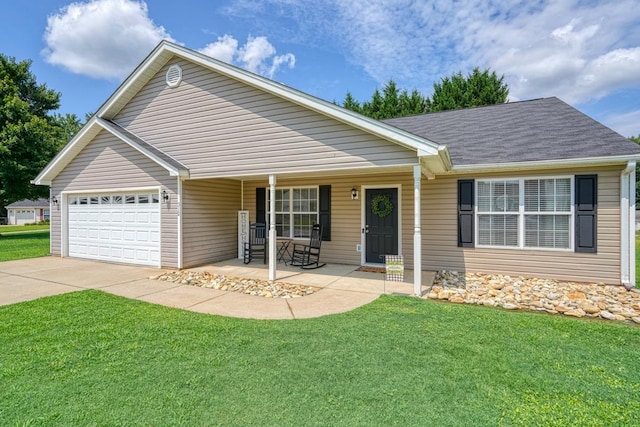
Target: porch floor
343 288
332 276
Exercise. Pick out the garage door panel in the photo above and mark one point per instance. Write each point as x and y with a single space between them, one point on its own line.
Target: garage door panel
107 230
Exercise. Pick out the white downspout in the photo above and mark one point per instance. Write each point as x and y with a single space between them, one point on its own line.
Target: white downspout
272 228
627 225
417 232
180 231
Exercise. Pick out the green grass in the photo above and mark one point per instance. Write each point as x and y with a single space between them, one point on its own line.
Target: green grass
90 358
24 245
13 228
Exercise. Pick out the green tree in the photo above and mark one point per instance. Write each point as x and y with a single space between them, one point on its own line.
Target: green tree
476 89
454 92
373 108
70 124
350 103
29 136
388 104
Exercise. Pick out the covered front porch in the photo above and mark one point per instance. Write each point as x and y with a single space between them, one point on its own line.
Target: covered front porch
213 214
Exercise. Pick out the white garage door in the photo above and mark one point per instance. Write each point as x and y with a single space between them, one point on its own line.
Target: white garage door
122 227
24 216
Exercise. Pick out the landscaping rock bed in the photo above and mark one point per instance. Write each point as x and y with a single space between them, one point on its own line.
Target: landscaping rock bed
594 300
256 287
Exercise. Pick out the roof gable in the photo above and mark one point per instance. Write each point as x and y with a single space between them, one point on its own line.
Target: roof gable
219 127
539 130
91 129
159 57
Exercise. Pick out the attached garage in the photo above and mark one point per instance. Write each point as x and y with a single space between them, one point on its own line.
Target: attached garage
120 227
23 216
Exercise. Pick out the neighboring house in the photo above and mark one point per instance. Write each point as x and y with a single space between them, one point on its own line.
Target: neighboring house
158 175
28 212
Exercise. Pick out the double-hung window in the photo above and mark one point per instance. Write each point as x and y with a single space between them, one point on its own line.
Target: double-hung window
526 213
296 211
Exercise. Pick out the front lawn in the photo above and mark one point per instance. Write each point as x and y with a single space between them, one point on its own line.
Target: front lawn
14 228
24 245
90 358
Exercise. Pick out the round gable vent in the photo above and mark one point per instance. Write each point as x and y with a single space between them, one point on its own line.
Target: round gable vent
174 75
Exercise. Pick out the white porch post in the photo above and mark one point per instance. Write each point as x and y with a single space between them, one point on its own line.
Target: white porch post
272 228
627 225
417 232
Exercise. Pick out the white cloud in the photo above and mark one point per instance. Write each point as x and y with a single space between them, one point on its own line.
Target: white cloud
626 124
101 38
109 38
256 55
224 49
573 49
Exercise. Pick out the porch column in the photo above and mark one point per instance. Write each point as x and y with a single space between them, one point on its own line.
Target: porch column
272 228
417 232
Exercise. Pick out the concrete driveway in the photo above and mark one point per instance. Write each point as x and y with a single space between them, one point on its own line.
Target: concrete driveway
29 279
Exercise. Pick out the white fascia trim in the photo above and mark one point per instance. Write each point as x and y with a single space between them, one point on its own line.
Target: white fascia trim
172 170
546 164
43 177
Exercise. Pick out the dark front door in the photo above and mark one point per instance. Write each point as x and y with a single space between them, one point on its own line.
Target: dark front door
381 228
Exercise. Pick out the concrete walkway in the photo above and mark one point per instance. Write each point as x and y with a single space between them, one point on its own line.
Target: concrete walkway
343 288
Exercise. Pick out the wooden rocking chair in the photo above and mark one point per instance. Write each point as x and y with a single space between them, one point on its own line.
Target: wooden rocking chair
308 256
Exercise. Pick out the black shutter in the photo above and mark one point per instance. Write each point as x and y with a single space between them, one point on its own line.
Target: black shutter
261 205
586 213
465 213
324 209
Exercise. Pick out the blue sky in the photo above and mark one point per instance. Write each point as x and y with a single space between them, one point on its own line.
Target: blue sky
587 53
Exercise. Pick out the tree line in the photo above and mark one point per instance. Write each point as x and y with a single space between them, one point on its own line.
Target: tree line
450 93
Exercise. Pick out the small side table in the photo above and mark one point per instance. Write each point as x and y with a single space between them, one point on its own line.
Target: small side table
283 249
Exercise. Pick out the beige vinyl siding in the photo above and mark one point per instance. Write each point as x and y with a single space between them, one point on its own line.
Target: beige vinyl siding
439 235
210 220
108 164
346 225
219 127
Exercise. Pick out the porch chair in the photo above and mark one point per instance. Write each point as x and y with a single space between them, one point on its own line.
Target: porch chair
256 247
308 256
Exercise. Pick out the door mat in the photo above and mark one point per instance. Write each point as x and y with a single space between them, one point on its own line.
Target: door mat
372 269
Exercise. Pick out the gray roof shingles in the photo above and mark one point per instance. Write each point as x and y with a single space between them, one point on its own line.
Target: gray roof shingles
536 130
39 203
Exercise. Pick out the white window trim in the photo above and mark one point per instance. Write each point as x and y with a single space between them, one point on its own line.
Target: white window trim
291 212
521 213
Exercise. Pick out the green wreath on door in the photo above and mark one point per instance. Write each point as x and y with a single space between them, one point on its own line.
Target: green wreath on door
381 205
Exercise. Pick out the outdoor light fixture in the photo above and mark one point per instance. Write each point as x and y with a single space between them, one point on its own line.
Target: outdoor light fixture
354 194
165 196
54 200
